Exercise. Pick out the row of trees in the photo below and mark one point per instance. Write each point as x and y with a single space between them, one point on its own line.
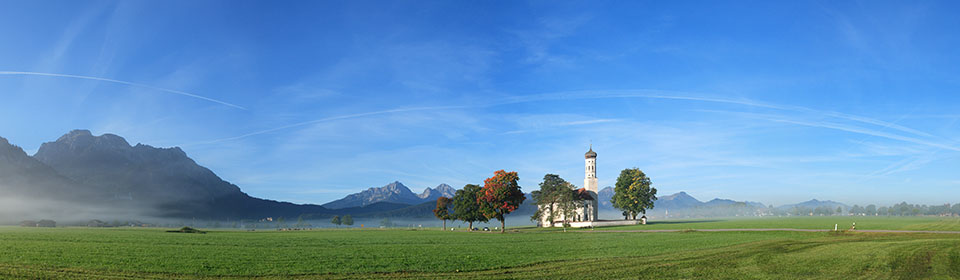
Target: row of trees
346 220
500 195
633 194
906 209
899 209
556 198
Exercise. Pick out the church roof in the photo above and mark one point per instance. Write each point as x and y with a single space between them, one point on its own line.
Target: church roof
590 153
583 194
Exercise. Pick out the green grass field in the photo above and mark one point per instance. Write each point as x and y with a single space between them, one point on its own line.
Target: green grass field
529 253
827 222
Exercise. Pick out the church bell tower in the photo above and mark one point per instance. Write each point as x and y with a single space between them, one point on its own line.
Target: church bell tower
590 182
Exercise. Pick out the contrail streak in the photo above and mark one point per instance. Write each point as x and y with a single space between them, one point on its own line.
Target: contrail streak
870 132
653 94
841 127
660 94
122 83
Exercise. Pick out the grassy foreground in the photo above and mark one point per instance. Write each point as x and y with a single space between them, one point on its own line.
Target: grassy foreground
152 253
815 222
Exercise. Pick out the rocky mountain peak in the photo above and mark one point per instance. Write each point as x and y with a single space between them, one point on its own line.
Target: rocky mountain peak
11 152
445 189
80 138
82 142
394 192
678 196
395 187
434 193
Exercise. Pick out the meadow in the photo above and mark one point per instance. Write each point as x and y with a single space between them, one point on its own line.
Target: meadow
118 253
807 222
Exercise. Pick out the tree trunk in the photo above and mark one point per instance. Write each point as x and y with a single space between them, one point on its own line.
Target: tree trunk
502 229
444 225
471 226
551 214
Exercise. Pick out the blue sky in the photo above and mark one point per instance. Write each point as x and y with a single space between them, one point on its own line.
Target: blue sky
308 101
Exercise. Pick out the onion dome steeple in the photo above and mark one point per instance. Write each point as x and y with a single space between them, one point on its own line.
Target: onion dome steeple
590 153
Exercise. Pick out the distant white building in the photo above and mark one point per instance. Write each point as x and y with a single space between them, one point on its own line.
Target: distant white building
588 210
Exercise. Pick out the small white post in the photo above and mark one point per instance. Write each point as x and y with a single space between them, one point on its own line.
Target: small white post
835 227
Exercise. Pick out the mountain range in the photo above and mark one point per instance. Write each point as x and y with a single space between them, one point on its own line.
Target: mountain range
394 192
680 200
813 204
96 176
104 175
82 171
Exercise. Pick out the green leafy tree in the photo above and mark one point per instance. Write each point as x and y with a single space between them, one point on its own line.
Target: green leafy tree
633 193
300 223
567 205
839 210
500 195
556 197
348 220
336 220
386 223
857 210
871 210
443 210
466 205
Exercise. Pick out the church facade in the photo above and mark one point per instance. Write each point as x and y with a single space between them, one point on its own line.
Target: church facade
587 210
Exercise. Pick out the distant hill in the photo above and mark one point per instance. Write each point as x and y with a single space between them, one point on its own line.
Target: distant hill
107 173
813 204
682 204
680 200
605 195
728 202
31 189
394 192
21 174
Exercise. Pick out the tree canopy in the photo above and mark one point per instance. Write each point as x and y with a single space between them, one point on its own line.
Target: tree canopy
336 220
556 197
633 193
443 210
466 205
500 195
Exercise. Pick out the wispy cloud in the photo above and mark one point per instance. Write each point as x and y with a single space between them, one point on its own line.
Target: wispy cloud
641 93
123 83
865 131
327 119
679 95
843 127
589 122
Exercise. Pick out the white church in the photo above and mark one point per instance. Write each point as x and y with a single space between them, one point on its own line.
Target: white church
587 213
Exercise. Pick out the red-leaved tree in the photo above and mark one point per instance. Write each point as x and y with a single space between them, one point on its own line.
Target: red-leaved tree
500 195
